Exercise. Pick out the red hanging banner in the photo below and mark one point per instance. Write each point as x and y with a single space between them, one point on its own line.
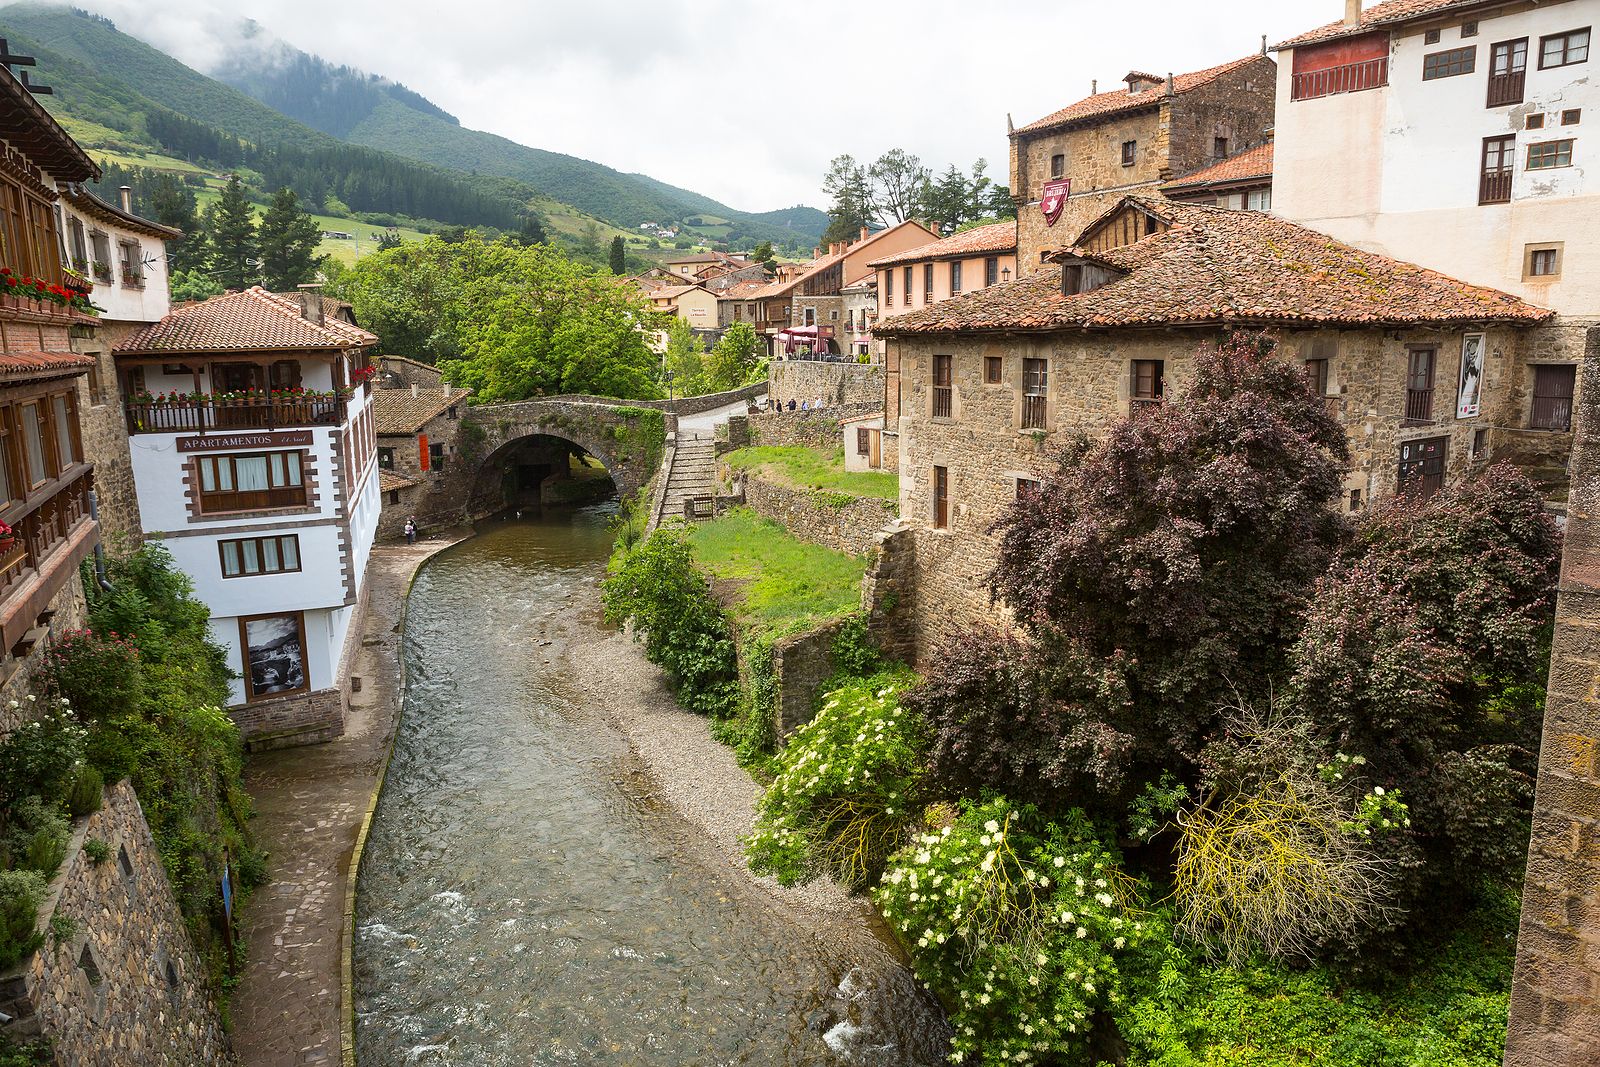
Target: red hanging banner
1054 200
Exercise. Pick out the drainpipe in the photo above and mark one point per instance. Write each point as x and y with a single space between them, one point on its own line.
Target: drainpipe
99 549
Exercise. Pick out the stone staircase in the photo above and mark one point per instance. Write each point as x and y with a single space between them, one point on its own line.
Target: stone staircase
693 474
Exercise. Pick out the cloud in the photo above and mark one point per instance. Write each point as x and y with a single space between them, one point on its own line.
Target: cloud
743 100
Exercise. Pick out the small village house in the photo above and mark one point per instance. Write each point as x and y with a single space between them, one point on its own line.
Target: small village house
961 263
1070 166
418 417
1243 182
1429 375
251 428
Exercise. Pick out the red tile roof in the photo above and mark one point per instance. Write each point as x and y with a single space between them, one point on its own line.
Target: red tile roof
397 413
42 364
1243 166
389 481
1378 16
1117 101
252 321
1216 266
980 240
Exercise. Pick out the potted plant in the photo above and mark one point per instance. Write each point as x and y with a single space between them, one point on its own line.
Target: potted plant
8 537
102 271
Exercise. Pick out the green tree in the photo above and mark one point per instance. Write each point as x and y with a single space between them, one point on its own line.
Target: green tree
736 359
763 255
388 239
230 224
619 256
532 232
193 285
287 240
172 203
849 192
686 360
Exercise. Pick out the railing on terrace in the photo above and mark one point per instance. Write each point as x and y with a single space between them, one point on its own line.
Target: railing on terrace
193 416
37 532
1349 78
1419 405
1494 187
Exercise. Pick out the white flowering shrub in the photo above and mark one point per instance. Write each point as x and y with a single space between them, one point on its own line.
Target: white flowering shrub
1018 925
843 798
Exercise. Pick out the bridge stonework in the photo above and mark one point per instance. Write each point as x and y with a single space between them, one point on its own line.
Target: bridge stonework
1555 995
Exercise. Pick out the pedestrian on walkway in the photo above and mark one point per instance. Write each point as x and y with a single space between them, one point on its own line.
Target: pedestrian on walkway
411 529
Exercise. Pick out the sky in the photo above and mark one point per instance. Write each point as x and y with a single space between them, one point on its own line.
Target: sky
742 100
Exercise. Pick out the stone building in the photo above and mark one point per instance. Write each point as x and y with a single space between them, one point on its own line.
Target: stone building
419 428
1243 182
961 263
1071 165
1430 376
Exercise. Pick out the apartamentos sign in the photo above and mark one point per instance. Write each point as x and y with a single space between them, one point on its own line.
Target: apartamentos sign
230 442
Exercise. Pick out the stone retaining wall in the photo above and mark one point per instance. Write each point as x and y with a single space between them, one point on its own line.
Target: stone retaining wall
802 665
889 593
126 988
803 429
844 523
836 384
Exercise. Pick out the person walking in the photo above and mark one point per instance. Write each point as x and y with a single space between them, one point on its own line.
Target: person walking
411 529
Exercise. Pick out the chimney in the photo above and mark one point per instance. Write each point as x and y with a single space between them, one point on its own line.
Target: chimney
1352 12
1172 86
416 390
1094 86
311 302
864 232
125 195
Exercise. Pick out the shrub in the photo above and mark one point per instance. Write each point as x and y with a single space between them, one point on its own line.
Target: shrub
87 791
97 851
21 893
845 790
99 674
1020 925
36 836
659 590
41 757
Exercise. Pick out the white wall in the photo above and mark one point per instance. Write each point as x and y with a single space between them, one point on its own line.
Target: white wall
1396 169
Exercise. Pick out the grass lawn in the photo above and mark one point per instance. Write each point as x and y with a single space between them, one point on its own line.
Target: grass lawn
815 468
786 584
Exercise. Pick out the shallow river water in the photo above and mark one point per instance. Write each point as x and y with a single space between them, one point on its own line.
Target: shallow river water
523 899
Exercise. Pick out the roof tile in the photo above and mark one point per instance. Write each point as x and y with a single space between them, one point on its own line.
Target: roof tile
397 413
1101 105
254 320
1376 17
1241 166
996 237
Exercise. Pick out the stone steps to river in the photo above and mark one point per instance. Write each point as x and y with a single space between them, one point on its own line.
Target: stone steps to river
693 474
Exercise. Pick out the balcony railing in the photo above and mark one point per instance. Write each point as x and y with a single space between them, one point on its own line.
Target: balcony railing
1349 78
37 533
196 416
1506 88
1033 411
1419 405
943 403
1494 187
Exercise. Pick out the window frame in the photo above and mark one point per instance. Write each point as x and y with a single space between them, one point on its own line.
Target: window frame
214 497
940 491
222 555
955 277
1542 373
1157 378
944 390
1554 149
1449 63
1035 413
1058 165
991 271
993 370
1566 49
1130 152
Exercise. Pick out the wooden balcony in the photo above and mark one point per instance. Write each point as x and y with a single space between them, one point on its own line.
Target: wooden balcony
1348 78
1494 187
201 415
1506 88
51 534
1419 405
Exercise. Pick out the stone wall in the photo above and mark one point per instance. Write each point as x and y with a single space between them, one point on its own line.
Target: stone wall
127 988
283 722
795 429
18 674
439 497
105 435
1555 994
802 665
889 593
844 523
835 384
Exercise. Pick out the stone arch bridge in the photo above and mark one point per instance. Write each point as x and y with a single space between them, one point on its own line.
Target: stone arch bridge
506 441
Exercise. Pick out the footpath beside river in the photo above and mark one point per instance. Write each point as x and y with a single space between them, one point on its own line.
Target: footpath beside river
310 803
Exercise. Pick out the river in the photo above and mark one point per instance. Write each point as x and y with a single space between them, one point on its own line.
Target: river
526 899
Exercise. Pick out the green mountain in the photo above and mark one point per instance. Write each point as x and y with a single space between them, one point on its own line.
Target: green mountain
276 92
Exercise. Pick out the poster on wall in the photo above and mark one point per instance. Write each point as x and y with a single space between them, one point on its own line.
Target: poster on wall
274 654
1471 386
1054 200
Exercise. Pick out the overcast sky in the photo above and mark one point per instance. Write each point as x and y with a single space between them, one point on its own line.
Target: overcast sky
743 100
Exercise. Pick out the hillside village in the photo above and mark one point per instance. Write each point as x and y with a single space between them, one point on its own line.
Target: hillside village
1244 472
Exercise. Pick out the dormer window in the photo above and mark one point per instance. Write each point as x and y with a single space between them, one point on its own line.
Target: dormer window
1139 82
1079 275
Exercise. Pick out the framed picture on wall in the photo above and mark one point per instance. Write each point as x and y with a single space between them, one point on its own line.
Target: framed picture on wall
274 654
1470 390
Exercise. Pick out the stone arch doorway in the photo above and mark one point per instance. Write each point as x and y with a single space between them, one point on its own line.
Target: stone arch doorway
538 470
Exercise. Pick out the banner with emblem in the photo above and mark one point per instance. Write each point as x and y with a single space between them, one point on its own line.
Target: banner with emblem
1054 200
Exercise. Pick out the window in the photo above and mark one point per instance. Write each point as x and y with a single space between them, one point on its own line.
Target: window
1258 200
1449 63
1058 165
888 288
249 482
833 315
1548 155
64 420
1419 384
394 497
1499 158
132 266
992 370
9 488
1508 66
250 556
1129 148
1430 37
1552 398
80 245
1544 261
1480 443
737 313
991 270
1422 465
1317 376
943 392
1035 382
955 277
1564 49
927 283
1027 487
1146 384
941 498
32 426
436 457
1469 29
1219 147
385 459
809 316
905 298
1534 122
1571 116
863 441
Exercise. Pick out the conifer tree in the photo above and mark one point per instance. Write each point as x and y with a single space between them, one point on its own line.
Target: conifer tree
288 241
172 204
619 256
231 228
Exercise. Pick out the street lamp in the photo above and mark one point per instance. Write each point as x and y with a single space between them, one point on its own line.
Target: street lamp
1005 274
